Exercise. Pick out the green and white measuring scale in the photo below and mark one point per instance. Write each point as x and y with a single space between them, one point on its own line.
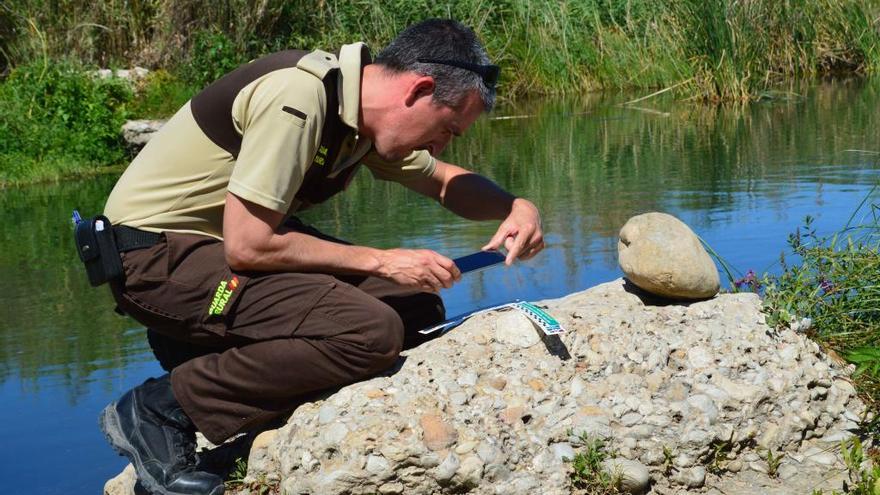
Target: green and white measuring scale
486 259
539 317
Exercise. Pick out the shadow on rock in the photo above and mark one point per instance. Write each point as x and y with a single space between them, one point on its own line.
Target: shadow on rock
649 299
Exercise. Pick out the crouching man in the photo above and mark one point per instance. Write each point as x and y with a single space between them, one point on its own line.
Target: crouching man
247 308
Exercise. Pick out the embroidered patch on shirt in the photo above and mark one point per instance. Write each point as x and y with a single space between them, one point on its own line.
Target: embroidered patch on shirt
321 156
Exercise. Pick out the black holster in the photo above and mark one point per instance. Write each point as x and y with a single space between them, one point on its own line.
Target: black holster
97 249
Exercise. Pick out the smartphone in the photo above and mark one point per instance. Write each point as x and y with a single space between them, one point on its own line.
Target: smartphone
478 261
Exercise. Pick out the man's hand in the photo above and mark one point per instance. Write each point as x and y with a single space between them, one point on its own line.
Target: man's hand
520 233
475 197
422 269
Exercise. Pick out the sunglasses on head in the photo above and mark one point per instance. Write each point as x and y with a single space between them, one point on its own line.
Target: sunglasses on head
488 73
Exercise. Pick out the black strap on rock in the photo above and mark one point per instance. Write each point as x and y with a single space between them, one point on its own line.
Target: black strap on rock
129 239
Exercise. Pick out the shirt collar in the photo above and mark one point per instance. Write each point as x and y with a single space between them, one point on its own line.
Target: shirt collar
352 59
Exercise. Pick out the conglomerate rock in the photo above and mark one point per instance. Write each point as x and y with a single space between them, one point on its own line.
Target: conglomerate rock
696 393
122 483
693 395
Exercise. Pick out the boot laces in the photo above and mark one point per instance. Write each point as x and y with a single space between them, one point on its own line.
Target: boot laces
185 455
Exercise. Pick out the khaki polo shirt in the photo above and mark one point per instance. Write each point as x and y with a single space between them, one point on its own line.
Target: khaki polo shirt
178 182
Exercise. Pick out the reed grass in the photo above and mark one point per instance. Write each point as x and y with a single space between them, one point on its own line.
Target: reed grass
722 49
707 50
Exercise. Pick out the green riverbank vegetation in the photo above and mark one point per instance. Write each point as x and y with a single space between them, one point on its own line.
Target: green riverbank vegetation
713 49
56 121
706 50
829 287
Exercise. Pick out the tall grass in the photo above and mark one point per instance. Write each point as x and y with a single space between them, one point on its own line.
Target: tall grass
707 49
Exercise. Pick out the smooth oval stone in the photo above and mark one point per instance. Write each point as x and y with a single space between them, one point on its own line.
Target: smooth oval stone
661 255
634 476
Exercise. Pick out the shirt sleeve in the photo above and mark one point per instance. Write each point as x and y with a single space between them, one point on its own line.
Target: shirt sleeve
419 163
280 117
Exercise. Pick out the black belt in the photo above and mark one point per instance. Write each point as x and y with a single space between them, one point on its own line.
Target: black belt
129 238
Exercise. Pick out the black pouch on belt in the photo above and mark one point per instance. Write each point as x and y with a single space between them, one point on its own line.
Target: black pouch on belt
97 250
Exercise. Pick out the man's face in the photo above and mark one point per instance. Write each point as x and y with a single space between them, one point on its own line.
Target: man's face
425 125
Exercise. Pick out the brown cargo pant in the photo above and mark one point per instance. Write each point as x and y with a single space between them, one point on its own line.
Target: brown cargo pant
245 347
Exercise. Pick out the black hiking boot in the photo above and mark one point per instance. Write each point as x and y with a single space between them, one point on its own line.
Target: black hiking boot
148 426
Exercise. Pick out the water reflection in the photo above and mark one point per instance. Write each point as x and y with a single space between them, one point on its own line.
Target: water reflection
589 164
51 321
742 177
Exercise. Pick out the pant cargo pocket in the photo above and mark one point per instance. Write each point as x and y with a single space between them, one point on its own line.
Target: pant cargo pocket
215 317
274 305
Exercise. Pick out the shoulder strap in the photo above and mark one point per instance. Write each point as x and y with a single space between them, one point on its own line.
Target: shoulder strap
212 107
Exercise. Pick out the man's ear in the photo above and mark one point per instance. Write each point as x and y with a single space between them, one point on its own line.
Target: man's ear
421 87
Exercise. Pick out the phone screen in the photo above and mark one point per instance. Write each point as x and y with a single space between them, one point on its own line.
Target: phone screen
478 261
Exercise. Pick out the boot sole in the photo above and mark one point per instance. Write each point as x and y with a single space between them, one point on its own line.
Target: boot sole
109 423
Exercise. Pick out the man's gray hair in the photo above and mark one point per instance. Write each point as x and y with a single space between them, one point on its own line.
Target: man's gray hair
441 40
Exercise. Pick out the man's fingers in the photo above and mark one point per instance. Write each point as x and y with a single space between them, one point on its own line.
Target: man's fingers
441 271
535 245
449 266
509 244
442 275
496 241
432 283
532 251
515 247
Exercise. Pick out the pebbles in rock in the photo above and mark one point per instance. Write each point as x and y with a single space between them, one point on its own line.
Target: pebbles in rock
484 410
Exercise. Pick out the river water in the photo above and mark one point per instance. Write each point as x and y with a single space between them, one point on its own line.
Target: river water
741 177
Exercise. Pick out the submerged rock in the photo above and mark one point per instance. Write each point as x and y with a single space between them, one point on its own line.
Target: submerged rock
684 394
661 255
